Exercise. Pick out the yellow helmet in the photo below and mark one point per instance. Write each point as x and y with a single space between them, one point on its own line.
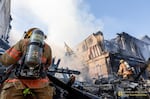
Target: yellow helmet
29 33
121 61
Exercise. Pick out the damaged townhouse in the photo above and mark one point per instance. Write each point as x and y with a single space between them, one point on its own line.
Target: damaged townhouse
102 56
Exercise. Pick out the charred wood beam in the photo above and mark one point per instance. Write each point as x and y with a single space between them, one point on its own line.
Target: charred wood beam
66 71
73 92
129 58
143 70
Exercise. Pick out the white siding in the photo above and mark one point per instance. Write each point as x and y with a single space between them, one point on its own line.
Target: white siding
4 18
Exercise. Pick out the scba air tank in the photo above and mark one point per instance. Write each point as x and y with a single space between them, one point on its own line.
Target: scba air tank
35 48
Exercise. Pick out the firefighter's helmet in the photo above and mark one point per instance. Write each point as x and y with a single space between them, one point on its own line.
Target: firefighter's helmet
28 33
121 61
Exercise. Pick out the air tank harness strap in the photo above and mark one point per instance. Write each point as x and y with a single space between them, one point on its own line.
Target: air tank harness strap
27 91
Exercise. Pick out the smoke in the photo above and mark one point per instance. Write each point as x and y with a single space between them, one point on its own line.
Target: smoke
74 62
62 21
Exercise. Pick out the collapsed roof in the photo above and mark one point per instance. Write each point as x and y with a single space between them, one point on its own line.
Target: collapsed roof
126 44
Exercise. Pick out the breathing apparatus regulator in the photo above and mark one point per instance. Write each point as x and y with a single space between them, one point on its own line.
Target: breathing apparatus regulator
31 65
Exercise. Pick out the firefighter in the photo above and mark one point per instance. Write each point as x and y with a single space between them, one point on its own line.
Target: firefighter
124 69
18 88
